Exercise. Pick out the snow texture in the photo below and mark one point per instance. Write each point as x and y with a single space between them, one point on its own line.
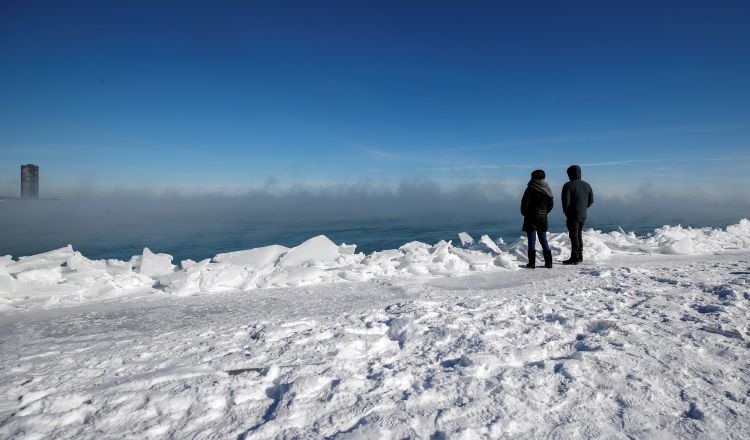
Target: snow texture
634 347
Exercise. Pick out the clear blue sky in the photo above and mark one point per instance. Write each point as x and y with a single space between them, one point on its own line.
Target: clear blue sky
234 93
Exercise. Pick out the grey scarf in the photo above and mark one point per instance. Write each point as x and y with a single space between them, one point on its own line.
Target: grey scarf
541 186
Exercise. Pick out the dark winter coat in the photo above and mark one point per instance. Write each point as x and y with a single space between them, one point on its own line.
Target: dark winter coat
577 196
535 205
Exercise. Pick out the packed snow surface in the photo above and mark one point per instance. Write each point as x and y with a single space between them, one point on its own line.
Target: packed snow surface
64 277
648 339
637 346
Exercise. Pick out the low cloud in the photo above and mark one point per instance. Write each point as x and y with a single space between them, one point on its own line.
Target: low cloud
486 199
136 219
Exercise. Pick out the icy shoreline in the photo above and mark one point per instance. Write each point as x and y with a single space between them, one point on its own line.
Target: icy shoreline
65 277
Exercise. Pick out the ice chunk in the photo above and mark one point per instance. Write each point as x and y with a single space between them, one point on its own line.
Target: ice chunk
117 285
222 277
46 260
81 264
506 261
155 265
314 251
117 267
4 262
297 276
186 281
347 249
187 263
489 244
206 276
477 260
682 247
64 276
465 238
256 258
41 276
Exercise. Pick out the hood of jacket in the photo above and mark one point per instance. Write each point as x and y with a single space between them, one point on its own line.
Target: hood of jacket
541 186
574 172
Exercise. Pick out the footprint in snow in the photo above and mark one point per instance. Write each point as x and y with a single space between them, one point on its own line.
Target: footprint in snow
601 327
693 412
583 346
710 308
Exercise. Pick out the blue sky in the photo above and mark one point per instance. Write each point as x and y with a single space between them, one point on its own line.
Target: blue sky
225 95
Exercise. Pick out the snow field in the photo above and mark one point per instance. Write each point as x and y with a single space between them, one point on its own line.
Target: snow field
64 277
638 347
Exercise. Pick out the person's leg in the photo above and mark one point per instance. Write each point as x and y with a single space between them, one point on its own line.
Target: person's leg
573 234
532 240
580 241
545 249
543 240
532 249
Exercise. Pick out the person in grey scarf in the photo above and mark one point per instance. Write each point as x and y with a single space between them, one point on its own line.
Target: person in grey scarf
536 203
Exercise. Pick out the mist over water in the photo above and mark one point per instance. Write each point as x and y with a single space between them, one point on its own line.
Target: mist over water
198 227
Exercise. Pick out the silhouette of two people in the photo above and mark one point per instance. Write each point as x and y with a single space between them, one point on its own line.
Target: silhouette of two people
536 204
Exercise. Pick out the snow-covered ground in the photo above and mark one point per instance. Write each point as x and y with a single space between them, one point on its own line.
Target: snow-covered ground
633 344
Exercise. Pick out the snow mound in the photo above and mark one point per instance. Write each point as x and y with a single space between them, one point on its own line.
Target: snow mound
317 250
65 277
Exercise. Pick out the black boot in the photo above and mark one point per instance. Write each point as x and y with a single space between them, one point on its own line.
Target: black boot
580 255
532 260
547 259
573 258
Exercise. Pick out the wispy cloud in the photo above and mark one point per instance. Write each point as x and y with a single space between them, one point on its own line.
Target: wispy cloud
611 163
618 162
377 153
716 159
461 168
603 135
563 138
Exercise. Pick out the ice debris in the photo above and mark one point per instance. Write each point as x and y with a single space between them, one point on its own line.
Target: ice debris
64 276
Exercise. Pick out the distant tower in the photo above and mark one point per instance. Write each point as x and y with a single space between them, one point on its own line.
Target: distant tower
29 181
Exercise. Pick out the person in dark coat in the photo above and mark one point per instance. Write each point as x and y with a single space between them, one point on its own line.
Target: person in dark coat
536 203
577 197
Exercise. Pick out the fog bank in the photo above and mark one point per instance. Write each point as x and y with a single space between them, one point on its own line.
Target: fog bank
198 225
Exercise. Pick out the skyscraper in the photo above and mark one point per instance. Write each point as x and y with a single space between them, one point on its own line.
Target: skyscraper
29 181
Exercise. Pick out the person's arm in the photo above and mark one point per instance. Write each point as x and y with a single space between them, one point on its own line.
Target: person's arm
525 202
565 198
550 204
591 196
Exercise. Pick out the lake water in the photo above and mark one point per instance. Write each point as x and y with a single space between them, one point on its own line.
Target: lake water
116 235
